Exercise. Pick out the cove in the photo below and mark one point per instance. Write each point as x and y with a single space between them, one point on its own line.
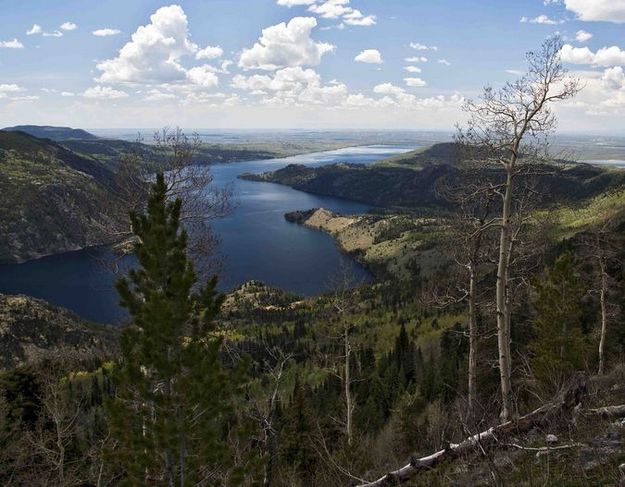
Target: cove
256 242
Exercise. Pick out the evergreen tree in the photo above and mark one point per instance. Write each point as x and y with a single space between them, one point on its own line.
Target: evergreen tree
559 344
171 412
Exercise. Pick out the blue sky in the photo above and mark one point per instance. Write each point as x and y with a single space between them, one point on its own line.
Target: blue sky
295 63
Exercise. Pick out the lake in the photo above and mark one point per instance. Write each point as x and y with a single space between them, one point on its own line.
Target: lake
256 242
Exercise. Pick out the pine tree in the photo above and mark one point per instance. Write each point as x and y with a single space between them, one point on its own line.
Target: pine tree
171 412
559 347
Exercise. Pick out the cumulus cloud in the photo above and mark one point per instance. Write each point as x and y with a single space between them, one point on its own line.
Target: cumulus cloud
603 93
203 76
67 93
416 59
12 44
54 33
614 78
422 47
103 93
415 82
106 32
541 19
209 52
412 69
68 26
154 52
606 56
292 86
582 36
371 56
388 89
356 17
340 9
598 10
35 29
285 45
444 62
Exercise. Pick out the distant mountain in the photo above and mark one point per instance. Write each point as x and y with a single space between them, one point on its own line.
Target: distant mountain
410 180
51 199
54 133
32 330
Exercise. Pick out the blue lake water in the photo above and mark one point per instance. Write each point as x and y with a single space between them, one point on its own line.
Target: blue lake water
256 243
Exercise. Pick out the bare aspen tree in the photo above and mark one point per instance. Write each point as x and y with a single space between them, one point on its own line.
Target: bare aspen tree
470 247
188 177
340 364
509 127
601 247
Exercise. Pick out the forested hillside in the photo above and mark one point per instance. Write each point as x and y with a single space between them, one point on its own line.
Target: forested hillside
51 199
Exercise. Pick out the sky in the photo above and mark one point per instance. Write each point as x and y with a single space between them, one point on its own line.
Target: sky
296 64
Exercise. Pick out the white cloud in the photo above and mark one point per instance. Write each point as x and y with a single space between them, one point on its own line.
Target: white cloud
416 59
415 82
35 29
156 95
293 3
203 76
331 9
106 32
388 89
284 45
154 52
444 62
614 78
422 47
340 9
515 72
371 56
12 88
355 17
412 69
12 44
541 19
104 93
583 36
68 26
209 52
602 10
292 86
54 33
67 93
603 93
606 56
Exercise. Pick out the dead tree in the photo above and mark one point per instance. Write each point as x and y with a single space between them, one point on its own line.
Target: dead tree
509 128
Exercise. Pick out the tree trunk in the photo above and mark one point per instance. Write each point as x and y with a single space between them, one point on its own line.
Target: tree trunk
472 372
502 301
604 315
348 391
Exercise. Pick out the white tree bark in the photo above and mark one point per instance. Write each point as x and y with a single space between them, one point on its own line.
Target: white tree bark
604 314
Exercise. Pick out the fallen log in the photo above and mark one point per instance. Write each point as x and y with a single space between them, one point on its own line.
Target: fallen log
606 412
564 404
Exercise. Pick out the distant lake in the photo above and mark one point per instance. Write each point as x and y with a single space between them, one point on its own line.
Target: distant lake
256 243
620 163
